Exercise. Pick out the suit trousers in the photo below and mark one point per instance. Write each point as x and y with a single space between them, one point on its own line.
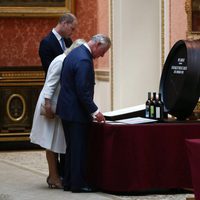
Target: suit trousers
61 164
75 157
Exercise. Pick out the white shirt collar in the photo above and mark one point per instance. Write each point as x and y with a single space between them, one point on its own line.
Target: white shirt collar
86 45
58 36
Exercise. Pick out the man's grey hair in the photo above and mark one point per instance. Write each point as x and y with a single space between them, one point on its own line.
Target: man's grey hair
103 39
68 18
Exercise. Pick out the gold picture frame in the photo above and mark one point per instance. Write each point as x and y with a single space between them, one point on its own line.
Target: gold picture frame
33 8
192 31
19 110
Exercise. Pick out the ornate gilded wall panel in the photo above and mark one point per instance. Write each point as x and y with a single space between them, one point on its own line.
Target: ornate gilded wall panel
19 91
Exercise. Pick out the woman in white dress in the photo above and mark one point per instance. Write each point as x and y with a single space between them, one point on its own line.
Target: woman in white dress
47 128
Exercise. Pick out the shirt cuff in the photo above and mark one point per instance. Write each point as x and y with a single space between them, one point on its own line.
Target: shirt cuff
94 113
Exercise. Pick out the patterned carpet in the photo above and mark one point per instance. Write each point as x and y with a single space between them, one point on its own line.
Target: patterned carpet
35 162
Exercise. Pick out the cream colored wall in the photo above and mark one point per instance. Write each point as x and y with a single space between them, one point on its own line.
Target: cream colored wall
102 95
136 51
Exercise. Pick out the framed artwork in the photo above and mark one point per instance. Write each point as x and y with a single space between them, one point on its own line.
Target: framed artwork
195 15
192 8
21 8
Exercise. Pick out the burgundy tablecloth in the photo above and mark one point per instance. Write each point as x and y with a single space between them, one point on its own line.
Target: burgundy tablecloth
193 147
125 158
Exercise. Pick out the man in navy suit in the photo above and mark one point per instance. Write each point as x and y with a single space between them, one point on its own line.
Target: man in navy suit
77 109
54 44
57 40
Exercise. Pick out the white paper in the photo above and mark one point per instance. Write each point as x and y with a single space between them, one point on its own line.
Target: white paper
114 122
136 120
124 111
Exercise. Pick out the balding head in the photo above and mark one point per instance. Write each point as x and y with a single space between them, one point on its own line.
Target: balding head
99 44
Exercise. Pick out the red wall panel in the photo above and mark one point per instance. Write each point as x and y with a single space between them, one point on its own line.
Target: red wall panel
20 37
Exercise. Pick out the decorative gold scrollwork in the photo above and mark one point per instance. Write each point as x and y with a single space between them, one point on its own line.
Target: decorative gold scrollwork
16 107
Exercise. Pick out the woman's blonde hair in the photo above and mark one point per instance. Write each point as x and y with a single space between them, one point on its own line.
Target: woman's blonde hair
75 44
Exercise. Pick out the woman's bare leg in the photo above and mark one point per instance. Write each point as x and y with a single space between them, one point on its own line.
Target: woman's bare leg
54 178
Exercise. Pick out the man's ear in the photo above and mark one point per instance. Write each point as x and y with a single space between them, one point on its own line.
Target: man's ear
96 45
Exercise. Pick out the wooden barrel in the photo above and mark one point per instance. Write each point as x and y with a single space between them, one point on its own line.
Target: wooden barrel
180 79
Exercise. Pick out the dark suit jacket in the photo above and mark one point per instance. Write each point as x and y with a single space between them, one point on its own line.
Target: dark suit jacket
50 48
75 101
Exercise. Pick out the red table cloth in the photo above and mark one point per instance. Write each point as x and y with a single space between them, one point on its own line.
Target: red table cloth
193 147
124 158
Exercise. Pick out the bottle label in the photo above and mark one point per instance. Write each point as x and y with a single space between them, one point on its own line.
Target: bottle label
152 111
147 112
157 112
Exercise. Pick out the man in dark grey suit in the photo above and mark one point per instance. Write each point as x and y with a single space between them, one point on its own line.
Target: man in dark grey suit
57 40
77 109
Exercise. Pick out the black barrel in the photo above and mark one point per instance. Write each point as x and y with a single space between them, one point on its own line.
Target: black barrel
180 79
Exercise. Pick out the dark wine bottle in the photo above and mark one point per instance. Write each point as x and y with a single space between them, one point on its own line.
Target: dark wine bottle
147 106
159 108
152 106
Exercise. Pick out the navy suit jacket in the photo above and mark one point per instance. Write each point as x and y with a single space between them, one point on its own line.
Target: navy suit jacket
75 101
50 48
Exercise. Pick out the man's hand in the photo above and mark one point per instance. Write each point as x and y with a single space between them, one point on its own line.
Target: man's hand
99 117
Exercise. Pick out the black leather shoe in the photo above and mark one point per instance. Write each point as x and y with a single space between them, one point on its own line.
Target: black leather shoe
83 190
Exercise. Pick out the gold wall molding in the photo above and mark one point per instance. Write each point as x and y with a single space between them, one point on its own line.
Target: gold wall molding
163 32
14 137
19 77
102 75
19 83
111 55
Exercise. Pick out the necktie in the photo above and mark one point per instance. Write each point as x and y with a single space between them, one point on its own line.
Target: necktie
63 44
